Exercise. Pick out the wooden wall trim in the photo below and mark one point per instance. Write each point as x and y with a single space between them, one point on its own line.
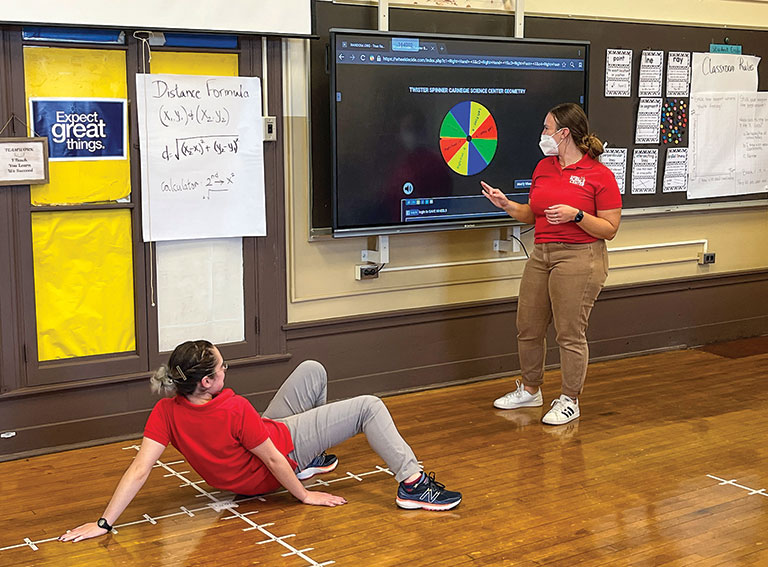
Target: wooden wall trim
132 377
413 349
382 319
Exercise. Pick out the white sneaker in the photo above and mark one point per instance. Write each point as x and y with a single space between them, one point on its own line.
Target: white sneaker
520 398
563 410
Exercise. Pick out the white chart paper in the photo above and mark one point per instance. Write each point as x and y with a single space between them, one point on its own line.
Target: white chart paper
272 17
615 159
728 142
206 274
678 73
676 170
723 72
618 72
645 164
648 121
651 73
202 156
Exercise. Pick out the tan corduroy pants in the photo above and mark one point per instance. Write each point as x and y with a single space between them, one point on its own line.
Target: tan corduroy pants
560 283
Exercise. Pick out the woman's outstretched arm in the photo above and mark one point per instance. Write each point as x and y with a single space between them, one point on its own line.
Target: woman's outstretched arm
518 211
132 481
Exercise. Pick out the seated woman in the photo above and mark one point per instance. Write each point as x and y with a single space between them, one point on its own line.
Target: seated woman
234 448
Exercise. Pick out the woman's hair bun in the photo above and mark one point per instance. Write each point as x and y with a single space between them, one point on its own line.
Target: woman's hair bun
162 382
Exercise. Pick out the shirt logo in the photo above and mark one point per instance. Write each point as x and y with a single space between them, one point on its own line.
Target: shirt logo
576 180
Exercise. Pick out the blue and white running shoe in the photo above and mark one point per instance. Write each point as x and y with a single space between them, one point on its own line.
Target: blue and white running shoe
428 494
321 464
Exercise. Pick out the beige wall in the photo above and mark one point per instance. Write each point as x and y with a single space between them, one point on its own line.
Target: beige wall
458 266
748 14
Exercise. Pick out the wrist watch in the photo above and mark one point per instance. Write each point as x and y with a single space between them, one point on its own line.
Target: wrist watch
579 216
104 524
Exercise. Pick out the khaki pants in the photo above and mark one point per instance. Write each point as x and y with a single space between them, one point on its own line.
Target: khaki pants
560 283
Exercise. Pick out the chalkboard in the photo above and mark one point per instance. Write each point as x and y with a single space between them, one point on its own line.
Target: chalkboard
612 119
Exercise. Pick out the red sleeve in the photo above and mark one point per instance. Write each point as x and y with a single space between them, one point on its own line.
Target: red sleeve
252 432
157 424
542 165
608 195
540 169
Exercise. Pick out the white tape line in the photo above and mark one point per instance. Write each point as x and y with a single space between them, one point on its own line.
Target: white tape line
277 539
298 551
231 504
732 482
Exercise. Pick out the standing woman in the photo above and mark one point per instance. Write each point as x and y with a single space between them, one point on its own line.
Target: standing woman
575 206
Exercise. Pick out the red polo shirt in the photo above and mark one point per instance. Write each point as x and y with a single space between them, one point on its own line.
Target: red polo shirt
587 185
215 438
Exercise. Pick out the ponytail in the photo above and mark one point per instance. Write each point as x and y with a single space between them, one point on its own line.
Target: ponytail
591 145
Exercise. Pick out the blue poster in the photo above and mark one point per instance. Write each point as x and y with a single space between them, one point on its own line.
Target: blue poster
81 128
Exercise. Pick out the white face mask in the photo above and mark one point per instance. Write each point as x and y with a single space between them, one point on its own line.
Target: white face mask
548 145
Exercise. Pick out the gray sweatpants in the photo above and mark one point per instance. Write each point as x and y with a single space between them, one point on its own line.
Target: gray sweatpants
316 426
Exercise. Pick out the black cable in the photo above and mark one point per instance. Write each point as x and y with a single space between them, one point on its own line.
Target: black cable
521 244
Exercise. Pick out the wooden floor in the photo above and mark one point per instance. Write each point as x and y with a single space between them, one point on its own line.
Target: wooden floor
639 480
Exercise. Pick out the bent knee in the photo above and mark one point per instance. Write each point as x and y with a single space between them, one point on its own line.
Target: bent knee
313 366
371 403
370 399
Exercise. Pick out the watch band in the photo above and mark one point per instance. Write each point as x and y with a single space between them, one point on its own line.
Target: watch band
579 216
104 524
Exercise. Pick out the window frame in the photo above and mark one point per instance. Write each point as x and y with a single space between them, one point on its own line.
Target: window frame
263 257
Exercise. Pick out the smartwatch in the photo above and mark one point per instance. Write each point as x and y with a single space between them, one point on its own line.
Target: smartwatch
104 524
579 216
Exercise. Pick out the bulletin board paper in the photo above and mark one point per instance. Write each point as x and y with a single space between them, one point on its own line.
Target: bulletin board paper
209 275
615 159
676 170
618 72
728 144
648 120
679 73
651 73
202 156
723 72
645 162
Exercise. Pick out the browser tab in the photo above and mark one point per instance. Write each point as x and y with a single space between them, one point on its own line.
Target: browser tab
405 44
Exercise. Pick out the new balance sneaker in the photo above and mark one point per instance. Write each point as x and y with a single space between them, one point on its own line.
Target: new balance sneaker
426 493
563 410
323 463
519 398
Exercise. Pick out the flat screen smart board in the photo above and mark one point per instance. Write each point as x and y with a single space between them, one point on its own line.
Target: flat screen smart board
418 120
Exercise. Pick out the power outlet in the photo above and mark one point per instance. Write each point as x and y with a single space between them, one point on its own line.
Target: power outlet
366 271
706 257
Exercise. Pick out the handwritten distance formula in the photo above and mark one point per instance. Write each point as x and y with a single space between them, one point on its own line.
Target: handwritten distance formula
198 114
200 146
202 152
